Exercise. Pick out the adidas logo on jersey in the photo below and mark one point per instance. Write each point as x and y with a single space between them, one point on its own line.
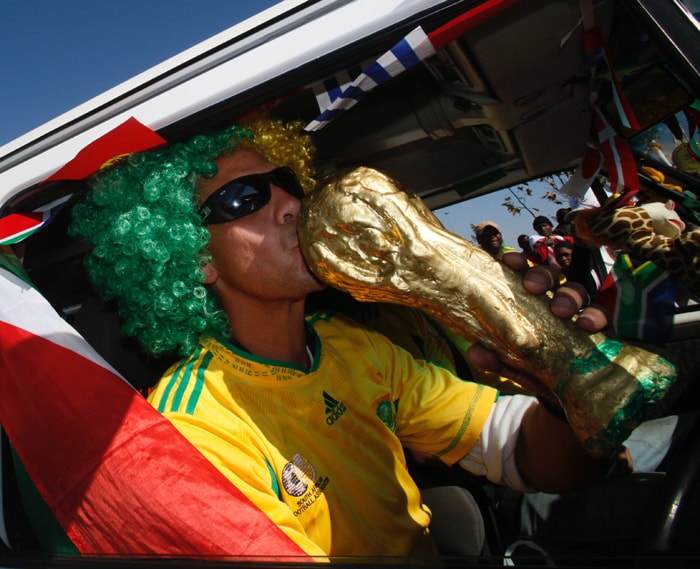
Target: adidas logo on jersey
334 409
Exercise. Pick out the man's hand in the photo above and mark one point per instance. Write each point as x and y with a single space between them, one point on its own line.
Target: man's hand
548 454
568 299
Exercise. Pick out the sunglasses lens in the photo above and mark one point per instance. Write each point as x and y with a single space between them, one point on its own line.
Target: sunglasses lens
286 179
234 200
247 194
240 199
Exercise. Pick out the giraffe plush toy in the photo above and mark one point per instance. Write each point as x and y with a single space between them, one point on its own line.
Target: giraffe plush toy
653 231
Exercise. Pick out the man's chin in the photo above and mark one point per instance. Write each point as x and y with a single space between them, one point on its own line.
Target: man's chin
319 283
314 280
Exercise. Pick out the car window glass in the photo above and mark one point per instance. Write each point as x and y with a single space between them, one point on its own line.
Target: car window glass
693 6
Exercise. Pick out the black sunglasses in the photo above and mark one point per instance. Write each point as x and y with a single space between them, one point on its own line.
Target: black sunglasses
490 231
244 195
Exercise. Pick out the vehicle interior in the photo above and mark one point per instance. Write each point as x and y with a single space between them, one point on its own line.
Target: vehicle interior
507 102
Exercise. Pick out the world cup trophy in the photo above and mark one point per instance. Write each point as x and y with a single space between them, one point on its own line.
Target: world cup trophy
364 235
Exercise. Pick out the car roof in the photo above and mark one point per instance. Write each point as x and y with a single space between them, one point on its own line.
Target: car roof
263 57
507 100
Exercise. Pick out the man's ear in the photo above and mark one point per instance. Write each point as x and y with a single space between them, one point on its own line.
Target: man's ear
211 275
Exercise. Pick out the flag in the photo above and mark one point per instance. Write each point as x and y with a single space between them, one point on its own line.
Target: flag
640 299
343 91
332 88
619 160
460 25
580 182
117 475
596 52
18 226
129 137
405 54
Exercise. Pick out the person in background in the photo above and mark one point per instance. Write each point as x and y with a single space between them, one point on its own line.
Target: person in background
587 265
564 225
489 237
525 248
564 253
543 246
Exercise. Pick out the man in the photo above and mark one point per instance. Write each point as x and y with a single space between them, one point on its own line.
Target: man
564 253
489 237
306 415
542 225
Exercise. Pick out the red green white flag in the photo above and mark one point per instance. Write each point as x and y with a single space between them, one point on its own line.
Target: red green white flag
129 137
118 477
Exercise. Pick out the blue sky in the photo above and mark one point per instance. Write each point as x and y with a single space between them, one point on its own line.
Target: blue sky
460 217
57 54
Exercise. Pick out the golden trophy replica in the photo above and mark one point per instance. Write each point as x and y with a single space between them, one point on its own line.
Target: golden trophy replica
363 235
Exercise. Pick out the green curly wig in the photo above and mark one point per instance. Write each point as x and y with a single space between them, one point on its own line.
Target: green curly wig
148 242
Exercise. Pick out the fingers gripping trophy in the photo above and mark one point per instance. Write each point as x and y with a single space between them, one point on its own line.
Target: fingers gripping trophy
365 236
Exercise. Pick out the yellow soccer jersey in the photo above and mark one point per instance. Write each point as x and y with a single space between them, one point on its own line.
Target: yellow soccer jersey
320 450
415 332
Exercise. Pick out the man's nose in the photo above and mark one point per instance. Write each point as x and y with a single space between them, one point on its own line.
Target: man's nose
287 205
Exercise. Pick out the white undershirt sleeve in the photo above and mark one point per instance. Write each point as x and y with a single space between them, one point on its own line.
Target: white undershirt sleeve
493 454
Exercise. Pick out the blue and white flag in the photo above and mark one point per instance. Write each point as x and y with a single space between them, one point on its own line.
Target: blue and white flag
343 91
